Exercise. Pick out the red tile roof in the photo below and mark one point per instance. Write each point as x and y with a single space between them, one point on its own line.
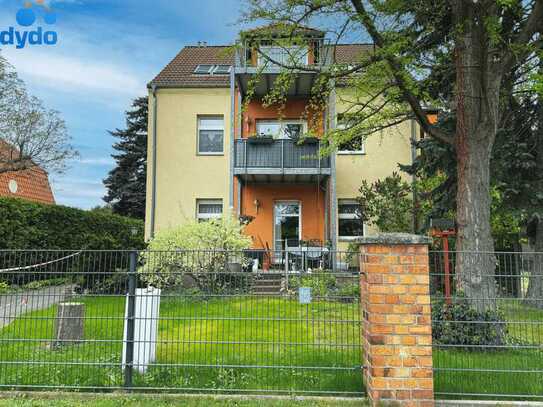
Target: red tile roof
180 71
350 53
32 185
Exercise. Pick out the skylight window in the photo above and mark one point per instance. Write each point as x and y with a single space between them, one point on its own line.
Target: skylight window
204 69
222 70
208 69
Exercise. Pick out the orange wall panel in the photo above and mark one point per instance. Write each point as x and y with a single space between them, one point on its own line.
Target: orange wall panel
295 109
261 228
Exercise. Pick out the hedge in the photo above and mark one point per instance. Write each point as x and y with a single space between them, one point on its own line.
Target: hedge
28 225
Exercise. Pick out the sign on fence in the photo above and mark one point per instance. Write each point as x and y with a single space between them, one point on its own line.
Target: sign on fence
146 313
304 295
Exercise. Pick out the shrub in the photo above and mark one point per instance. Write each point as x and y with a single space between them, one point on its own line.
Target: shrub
209 251
29 225
52 282
4 287
461 324
349 292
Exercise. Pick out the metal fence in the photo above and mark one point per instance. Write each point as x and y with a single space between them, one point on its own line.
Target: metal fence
487 321
215 321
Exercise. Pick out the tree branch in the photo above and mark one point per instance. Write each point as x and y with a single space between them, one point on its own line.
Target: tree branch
398 73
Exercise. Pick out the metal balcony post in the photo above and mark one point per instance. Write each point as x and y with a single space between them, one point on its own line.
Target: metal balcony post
319 156
282 154
245 154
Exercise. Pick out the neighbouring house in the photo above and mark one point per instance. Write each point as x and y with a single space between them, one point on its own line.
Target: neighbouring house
207 156
30 184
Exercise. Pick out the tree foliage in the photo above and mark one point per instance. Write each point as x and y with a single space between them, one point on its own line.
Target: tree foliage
475 45
30 134
126 182
387 204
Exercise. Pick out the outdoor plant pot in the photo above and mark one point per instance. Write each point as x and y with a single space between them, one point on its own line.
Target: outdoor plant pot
234 267
260 140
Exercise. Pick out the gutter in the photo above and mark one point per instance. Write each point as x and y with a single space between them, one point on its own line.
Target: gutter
153 168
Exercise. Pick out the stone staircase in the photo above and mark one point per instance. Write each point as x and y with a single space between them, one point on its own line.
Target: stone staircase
267 284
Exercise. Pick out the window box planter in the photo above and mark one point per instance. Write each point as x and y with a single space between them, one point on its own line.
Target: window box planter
309 140
260 140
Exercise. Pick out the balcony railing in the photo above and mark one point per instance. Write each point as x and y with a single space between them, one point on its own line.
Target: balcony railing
286 155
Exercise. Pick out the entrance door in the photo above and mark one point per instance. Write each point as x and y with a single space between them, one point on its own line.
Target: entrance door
287 224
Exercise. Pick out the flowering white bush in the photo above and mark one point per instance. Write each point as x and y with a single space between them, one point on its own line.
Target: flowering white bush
201 249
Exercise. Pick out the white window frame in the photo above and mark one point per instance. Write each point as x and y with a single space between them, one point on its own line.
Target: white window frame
207 216
287 201
217 67
349 216
282 125
199 128
362 151
208 72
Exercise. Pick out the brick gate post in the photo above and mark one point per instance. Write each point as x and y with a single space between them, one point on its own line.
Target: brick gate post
397 328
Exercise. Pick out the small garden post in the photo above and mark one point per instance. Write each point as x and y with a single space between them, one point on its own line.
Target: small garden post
397 326
130 321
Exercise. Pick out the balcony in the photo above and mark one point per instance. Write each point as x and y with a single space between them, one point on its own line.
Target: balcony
255 58
279 161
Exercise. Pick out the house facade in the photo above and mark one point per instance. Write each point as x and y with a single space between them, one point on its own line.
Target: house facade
216 148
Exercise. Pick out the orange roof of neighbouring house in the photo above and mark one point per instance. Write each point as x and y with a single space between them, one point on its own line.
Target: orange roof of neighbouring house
31 184
180 71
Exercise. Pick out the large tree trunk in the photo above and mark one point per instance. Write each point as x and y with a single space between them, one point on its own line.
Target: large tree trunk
475 261
534 295
478 82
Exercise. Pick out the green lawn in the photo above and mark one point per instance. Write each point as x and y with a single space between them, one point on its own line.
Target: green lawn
145 401
214 345
204 344
486 371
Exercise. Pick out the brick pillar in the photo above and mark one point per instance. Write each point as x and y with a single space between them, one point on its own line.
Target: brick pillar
397 328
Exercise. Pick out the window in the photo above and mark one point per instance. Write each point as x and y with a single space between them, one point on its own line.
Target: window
355 146
280 129
208 69
210 135
283 55
208 209
349 222
221 70
204 69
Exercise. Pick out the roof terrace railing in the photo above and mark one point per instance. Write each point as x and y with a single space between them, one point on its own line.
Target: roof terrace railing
247 53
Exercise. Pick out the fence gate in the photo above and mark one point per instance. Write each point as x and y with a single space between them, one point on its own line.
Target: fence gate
281 323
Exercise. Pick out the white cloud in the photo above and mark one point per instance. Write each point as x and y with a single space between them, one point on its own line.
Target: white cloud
68 190
98 161
54 70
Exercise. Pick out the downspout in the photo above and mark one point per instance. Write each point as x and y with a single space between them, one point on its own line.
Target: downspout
232 141
414 177
153 168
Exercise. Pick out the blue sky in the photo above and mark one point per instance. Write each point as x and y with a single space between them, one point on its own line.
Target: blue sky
106 54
